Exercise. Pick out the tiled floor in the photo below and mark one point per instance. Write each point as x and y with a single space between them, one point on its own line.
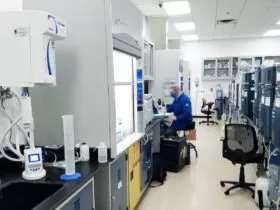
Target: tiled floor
197 186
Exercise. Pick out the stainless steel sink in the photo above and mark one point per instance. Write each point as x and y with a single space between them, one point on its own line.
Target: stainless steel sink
26 195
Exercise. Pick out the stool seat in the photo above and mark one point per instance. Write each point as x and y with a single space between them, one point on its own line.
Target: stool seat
190 146
191 126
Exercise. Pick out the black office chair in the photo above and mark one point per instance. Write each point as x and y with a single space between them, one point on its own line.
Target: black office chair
207 110
241 146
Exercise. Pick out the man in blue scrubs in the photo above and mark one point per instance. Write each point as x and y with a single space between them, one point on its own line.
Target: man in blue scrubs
182 109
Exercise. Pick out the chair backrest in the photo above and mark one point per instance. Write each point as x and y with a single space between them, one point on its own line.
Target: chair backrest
203 103
240 138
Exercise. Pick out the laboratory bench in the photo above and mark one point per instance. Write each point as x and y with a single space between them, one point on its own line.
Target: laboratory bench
70 195
120 184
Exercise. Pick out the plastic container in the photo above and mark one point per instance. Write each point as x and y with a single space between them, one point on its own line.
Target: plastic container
262 184
102 153
84 152
119 130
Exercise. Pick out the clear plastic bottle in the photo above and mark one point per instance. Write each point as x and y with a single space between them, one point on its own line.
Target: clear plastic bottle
102 153
84 152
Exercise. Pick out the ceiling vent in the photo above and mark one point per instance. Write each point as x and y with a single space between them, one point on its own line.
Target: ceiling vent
226 21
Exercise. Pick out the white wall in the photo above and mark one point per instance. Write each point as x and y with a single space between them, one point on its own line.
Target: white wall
7 5
194 52
146 33
82 63
159 28
166 68
127 18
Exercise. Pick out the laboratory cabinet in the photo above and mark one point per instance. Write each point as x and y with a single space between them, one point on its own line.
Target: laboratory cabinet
118 174
82 199
228 67
146 159
134 175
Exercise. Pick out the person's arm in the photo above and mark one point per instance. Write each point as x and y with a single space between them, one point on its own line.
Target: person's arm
170 108
186 113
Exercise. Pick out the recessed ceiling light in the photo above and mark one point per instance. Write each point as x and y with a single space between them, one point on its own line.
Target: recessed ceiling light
177 8
272 33
191 37
278 23
186 26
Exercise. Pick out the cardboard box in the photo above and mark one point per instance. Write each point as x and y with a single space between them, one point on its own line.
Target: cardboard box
191 135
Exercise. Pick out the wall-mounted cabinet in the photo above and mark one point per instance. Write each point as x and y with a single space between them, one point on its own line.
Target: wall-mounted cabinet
223 68
209 67
228 68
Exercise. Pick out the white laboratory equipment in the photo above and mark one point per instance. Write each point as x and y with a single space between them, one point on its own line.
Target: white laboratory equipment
148 111
69 149
28 48
102 153
28 58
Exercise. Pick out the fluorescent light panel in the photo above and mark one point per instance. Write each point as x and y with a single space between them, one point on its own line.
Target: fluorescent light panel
191 37
272 33
177 8
278 23
186 26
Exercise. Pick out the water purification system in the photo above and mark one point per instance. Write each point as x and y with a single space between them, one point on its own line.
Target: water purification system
219 102
276 119
276 112
27 40
257 96
267 101
274 177
247 94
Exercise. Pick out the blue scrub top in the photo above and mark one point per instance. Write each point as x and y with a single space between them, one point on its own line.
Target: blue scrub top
182 109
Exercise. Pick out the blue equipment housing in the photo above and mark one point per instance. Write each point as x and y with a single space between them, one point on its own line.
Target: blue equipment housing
257 96
268 78
276 119
269 92
219 103
247 94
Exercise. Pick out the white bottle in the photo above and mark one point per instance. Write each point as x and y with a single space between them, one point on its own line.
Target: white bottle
262 184
102 153
84 152
119 130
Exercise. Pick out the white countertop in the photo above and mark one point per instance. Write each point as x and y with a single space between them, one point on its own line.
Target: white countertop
127 142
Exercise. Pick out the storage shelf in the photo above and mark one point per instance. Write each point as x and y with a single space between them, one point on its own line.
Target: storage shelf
216 78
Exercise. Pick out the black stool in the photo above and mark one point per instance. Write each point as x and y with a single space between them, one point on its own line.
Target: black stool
191 145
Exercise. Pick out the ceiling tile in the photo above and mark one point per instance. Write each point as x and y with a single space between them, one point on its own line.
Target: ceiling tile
152 10
276 3
254 17
182 18
139 2
228 9
273 12
203 15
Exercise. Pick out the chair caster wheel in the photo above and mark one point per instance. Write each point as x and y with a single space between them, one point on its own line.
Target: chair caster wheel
222 184
226 193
